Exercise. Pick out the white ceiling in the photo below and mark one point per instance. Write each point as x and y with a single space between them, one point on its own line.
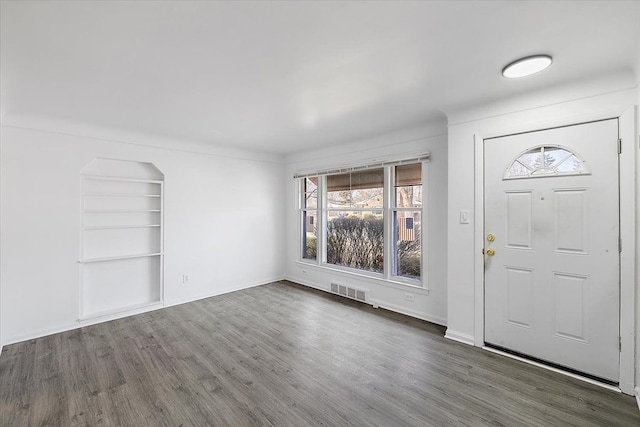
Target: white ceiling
288 76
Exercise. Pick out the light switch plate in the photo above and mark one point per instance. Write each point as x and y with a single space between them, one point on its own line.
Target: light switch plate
464 217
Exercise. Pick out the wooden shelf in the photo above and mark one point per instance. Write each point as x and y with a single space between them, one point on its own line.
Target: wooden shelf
121 179
111 227
119 195
150 304
119 257
128 252
120 210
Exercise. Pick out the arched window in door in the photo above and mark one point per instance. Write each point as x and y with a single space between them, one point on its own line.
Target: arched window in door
545 161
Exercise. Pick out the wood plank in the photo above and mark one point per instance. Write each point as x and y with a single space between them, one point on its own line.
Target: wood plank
286 355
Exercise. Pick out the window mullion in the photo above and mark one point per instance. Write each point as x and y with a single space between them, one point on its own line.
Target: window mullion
322 223
307 220
351 209
387 204
425 229
301 218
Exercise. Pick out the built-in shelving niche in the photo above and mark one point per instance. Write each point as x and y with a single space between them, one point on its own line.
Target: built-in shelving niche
122 254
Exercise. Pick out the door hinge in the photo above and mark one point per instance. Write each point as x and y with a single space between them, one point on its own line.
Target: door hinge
620 244
619 145
620 343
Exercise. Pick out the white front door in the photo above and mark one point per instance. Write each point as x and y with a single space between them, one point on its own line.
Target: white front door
551 246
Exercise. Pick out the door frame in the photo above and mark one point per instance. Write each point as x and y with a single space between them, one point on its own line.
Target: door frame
626 123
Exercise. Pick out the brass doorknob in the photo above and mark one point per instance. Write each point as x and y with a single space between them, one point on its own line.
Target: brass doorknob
491 237
491 252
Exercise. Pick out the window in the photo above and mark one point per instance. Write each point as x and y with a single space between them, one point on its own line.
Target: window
309 218
548 160
407 221
355 224
368 219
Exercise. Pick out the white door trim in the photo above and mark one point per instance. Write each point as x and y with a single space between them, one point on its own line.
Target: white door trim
628 191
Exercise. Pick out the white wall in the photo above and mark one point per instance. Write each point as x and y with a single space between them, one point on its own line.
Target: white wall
223 221
1 137
429 305
535 112
638 241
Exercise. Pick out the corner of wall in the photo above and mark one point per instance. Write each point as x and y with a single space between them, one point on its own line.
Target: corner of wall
1 153
459 337
637 261
72 128
368 148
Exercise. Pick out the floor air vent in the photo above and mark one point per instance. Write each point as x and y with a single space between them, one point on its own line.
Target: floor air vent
348 292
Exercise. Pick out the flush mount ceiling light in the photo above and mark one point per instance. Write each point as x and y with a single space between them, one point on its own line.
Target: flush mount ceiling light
526 66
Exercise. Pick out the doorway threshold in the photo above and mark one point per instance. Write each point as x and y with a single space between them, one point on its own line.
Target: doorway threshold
556 369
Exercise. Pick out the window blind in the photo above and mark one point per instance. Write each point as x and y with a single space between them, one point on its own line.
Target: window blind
369 166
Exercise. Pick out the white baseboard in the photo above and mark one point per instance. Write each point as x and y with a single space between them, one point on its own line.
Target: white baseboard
460 337
107 317
92 319
42 333
377 303
637 389
408 312
307 283
192 298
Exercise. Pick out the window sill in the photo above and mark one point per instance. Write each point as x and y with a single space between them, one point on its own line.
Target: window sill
374 277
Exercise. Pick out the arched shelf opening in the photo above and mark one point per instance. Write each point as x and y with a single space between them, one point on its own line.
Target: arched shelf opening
121 245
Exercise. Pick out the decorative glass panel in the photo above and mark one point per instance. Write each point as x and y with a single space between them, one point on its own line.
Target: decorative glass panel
546 160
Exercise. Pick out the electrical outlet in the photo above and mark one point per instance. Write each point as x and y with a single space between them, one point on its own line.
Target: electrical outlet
408 297
185 278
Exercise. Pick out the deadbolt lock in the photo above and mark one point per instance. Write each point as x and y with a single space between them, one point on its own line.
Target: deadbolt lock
491 237
491 252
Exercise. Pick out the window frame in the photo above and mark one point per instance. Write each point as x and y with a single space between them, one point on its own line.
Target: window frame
302 205
387 275
393 210
327 210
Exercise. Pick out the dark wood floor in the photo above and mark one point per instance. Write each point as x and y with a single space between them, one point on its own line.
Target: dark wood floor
284 355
